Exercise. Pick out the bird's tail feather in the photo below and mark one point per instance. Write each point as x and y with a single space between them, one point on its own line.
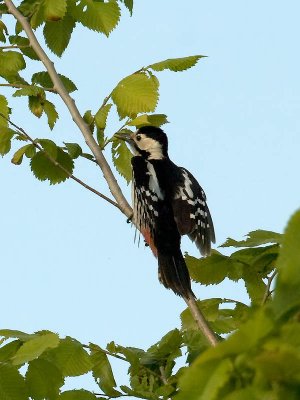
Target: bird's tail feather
173 274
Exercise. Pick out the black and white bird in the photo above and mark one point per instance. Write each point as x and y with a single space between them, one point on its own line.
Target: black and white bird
167 202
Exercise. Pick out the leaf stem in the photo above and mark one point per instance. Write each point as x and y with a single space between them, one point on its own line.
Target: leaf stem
268 292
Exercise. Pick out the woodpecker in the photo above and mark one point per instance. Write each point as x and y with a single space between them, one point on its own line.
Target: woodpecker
167 202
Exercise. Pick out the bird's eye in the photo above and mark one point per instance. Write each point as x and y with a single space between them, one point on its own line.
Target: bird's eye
138 138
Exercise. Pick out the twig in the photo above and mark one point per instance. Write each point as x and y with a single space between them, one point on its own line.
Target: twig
201 321
40 148
70 103
14 46
268 292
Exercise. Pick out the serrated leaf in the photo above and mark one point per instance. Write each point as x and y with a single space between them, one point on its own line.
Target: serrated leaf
43 79
35 105
35 347
6 134
18 156
49 146
176 64
31 90
214 269
154 119
70 358
98 16
54 10
3 31
122 159
12 385
44 169
102 371
80 394
5 111
50 111
100 122
43 380
287 289
25 47
135 94
12 333
30 151
254 238
9 350
89 119
74 150
58 34
129 5
168 346
11 62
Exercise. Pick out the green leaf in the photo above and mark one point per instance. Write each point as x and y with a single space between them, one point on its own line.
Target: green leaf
154 119
122 159
6 134
135 94
129 5
18 156
89 119
44 169
287 289
3 31
176 64
9 350
43 380
12 385
98 16
100 122
51 113
22 42
214 269
70 358
11 333
11 62
77 395
168 346
54 10
254 238
43 79
58 34
73 149
102 371
31 90
35 347
35 105
49 146
5 111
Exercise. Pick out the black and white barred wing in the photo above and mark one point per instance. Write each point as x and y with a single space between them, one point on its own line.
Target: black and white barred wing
191 212
146 195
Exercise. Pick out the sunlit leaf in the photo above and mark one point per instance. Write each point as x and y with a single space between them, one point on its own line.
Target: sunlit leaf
54 10
176 64
145 119
80 394
44 169
18 156
50 111
135 94
58 34
43 79
254 238
98 16
122 159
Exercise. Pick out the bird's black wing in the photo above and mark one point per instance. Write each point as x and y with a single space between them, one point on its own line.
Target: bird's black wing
191 212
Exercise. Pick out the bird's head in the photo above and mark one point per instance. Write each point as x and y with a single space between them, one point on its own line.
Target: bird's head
149 142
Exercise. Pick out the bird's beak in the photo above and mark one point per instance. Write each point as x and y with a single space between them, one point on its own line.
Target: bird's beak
126 137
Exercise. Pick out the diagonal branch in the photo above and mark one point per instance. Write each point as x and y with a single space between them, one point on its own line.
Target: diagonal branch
70 103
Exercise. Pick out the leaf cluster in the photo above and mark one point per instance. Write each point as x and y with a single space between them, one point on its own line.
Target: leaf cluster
260 359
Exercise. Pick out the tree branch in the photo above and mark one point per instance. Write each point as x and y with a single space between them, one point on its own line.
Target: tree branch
201 321
70 103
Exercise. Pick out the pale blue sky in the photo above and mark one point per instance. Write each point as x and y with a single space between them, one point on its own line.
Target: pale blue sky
68 259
